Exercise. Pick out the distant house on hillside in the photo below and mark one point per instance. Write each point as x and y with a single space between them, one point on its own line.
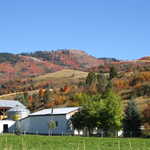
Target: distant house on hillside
40 122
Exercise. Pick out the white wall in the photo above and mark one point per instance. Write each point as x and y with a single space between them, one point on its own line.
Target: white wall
9 122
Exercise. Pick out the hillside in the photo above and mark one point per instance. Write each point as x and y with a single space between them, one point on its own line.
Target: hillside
21 69
63 74
57 69
72 59
56 79
123 66
41 62
61 78
33 64
66 83
27 77
18 66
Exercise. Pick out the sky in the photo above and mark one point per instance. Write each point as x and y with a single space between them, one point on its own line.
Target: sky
102 28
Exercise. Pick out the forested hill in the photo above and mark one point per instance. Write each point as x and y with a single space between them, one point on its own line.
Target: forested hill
7 57
73 59
17 69
66 73
38 63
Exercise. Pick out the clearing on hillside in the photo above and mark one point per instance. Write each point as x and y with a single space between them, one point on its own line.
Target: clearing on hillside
66 73
63 77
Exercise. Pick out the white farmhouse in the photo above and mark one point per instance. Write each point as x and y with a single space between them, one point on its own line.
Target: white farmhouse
39 122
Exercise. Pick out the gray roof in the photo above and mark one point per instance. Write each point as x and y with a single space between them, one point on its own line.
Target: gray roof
18 109
10 103
55 111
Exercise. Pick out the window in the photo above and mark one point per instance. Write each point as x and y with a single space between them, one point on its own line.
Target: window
56 123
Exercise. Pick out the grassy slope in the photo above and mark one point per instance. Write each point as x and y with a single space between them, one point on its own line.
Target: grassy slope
66 73
35 142
141 102
61 78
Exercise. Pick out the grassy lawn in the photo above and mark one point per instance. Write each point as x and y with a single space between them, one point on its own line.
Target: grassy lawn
36 142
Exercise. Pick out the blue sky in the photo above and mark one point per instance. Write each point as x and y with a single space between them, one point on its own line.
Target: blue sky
103 28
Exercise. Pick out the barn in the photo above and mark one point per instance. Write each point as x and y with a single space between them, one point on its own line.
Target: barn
54 121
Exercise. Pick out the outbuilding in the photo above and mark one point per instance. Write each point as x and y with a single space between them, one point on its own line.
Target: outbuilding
48 121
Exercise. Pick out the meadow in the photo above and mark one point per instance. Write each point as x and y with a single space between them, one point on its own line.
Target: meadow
37 142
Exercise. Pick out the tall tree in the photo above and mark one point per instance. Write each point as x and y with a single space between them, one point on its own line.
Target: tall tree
82 120
102 82
90 78
105 114
112 72
47 96
132 121
111 114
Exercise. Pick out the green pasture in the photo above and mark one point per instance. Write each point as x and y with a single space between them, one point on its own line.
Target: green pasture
37 142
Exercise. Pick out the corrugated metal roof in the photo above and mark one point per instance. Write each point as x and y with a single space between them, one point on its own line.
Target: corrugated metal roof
10 103
55 111
18 109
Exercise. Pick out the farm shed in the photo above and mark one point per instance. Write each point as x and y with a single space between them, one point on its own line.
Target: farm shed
48 121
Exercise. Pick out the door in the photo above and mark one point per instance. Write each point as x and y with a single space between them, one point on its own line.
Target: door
5 128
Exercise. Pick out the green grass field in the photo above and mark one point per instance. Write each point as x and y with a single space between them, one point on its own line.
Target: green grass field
36 142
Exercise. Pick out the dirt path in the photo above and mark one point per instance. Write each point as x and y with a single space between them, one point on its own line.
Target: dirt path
17 93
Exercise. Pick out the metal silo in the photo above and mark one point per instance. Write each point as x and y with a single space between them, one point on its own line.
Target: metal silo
17 113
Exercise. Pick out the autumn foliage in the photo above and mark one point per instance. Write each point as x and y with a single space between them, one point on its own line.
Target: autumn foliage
146 116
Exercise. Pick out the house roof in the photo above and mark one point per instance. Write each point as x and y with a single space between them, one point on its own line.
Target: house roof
10 103
55 111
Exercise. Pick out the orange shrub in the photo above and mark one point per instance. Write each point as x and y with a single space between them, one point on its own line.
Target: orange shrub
41 92
119 83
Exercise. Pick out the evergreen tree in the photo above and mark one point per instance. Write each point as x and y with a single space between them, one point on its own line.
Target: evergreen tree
34 103
102 82
132 121
112 72
47 96
25 98
90 78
